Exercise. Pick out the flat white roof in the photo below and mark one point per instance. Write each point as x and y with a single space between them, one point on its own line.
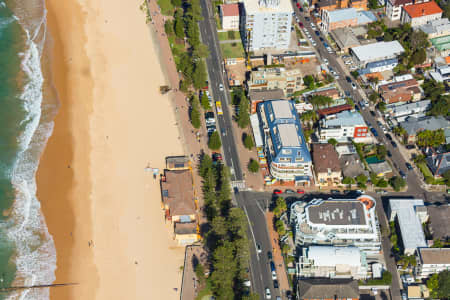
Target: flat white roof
410 227
378 50
267 6
282 109
254 120
289 135
328 256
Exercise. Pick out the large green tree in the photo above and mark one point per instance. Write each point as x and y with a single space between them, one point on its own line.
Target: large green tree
319 101
214 142
205 102
199 75
225 268
248 142
195 112
397 183
243 118
179 24
253 166
280 207
429 138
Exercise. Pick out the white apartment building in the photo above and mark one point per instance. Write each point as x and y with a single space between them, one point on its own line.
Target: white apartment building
267 24
431 261
229 15
332 262
337 222
410 214
403 111
394 7
343 127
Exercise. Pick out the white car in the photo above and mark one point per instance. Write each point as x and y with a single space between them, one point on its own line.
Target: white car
268 294
325 61
221 87
314 43
258 248
313 25
348 62
353 86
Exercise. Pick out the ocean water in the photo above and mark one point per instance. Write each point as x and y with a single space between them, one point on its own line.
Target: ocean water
27 107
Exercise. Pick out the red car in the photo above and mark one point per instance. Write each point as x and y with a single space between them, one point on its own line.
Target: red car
277 192
298 5
300 24
216 156
300 191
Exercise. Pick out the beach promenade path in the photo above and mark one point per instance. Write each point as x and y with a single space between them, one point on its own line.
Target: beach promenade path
277 257
188 136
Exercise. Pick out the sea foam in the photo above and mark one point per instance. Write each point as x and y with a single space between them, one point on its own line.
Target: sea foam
35 257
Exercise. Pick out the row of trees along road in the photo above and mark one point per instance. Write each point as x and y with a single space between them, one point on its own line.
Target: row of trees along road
225 234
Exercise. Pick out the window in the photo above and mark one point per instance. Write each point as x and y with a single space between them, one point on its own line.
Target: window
286 151
285 159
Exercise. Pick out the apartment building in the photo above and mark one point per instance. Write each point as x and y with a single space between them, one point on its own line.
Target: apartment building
410 214
285 146
340 18
440 73
400 91
337 222
421 13
273 78
394 7
326 165
266 24
332 262
229 16
431 261
344 126
401 112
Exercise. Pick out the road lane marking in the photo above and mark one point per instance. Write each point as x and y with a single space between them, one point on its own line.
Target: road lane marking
251 230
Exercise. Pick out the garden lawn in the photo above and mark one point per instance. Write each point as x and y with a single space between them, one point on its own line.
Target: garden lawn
229 35
166 7
232 50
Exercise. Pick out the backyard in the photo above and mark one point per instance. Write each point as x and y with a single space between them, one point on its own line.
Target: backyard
232 50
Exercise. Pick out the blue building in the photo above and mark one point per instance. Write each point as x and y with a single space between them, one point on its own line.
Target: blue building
379 66
284 143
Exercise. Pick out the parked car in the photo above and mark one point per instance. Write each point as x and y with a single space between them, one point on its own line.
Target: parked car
321 38
298 5
268 294
409 147
349 80
289 191
325 61
335 192
299 191
394 144
409 166
269 255
277 192
301 24
389 154
373 113
317 33
216 156
275 284
389 137
375 133
353 86
402 174
258 248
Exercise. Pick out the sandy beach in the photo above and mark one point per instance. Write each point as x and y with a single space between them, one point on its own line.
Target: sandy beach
101 207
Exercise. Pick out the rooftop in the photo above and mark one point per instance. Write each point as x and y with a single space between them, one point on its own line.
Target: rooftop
410 226
178 193
344 118
325 158
339 15
334 109
267 6
325 3
422 9
230 10
365 17
275 94
345 38
439 163
337 213
328 289
185 228
436 26
282 109
413 125
398 109
401 2
441 43
431 256
288 135
376 51
325 256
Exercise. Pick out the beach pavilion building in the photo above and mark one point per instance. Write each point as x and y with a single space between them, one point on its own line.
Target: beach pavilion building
285 146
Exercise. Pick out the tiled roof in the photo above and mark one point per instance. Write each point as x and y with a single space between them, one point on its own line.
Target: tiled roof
325 157
328 289
334 109
422 9
178 192
230 10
